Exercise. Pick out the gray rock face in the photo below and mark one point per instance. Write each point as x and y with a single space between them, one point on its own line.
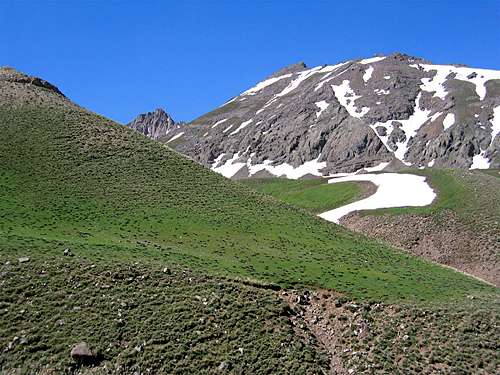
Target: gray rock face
154 125
396 110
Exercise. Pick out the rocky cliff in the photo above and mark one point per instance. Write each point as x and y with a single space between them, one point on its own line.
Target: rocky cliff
384 112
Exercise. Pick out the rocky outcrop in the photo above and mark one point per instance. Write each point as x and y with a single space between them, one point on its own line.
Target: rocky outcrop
154 125
356 114
9 74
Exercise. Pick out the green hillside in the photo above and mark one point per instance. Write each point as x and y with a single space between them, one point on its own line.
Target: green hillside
314 195
75 178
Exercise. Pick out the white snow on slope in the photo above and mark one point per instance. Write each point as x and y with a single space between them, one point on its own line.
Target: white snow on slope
381 92
372 60
242 126
175 137
462 73
264 84
230 168
409 126
328 77
393 190
448 121
322 105
228 128
368 73
219 122
479 161
309 167
377 168
346 97
302 77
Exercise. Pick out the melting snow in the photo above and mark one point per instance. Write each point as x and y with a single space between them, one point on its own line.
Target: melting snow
448 121
387 77
297 81
409 126
462 73
264 84
228 128
377 168
393 190
310 167
219 122
431 163
346 97
242 126
229 168
372 60
322 105
381 92
368 73
175 137
479 161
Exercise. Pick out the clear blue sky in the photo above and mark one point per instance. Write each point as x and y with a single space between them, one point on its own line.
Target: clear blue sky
120 58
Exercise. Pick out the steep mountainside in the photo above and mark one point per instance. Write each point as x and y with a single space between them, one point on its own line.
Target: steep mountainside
385 111
153 124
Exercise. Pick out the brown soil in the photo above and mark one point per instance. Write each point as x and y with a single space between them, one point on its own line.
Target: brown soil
445 240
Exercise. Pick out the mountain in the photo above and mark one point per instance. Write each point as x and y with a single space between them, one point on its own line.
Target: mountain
385 112
120 255
154 125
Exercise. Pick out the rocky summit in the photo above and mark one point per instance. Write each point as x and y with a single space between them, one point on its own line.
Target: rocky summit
153 124
379 113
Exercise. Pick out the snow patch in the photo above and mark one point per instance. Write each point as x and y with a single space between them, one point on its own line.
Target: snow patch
381 92
372 60
262 85
377 168
431 163
410 126
347 97
219 122
393 190
477 76
229 168
175 137
301 78
368 73
310 167
242 126
322 105
228 128
479 161
448 121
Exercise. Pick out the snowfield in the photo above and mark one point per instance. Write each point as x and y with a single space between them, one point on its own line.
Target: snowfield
393 190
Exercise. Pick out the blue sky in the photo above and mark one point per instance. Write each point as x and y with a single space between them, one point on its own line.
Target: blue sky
121 58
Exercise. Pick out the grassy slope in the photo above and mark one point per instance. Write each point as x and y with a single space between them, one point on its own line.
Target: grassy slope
71 176
143 319
313 195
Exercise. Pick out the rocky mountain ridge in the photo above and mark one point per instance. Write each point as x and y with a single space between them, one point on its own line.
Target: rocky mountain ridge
154 124
385 112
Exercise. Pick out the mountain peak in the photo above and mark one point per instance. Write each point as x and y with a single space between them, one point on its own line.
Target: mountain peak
153 124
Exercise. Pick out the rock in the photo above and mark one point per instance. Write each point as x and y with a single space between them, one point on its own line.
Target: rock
153 125
24 259
67 252
167 271
224 366
81 353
